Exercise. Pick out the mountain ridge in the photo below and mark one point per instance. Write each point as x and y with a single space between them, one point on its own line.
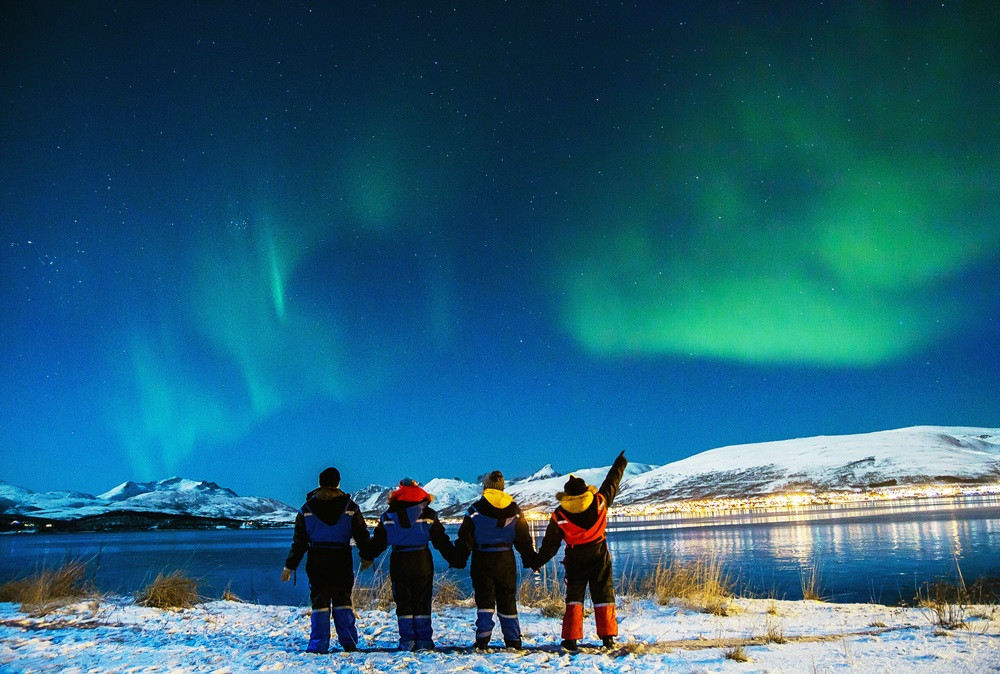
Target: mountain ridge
899 457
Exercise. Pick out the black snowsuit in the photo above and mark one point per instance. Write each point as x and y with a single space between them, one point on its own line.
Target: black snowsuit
491 530
329 565
411 567
586 563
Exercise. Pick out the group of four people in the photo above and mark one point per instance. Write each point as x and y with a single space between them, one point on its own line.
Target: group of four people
492 529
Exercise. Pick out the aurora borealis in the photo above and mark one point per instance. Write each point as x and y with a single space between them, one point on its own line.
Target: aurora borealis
244 241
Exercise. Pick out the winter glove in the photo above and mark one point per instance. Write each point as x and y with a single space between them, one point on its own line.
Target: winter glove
366 564
286 575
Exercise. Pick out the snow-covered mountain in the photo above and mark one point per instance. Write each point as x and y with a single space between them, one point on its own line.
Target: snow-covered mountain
919 455
373 499
176 495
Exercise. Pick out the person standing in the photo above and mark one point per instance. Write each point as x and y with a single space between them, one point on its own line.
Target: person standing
492 528
408 525
324 527
581 520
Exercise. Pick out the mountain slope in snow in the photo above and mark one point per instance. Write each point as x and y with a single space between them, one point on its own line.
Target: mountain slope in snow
918 455
175 496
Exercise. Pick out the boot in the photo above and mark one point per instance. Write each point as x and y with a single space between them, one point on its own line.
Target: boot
423 633
484 627
347 630
609 642
606 619
569 644
407 638
513 644
319 635
572 626
511 628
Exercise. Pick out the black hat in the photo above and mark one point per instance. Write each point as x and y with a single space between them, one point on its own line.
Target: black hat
329 478
494 481
575 486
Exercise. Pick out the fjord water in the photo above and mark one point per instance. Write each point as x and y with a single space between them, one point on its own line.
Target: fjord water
881 551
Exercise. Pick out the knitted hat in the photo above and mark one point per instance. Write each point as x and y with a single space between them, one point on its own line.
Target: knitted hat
575 486
410 491
494 481
329 478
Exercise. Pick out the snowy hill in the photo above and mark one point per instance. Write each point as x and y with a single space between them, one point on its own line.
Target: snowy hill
174 496
373 499
542 473
918 455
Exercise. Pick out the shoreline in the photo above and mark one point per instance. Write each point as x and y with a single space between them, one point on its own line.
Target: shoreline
114 634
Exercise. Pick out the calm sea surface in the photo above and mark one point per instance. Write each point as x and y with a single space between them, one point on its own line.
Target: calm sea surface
871 552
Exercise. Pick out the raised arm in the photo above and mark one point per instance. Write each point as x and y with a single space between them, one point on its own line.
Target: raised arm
610 486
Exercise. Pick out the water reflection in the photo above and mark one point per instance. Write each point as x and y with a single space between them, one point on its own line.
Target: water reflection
865 552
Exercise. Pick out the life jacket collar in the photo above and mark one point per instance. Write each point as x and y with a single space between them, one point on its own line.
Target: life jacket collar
497 498
577 503
574 534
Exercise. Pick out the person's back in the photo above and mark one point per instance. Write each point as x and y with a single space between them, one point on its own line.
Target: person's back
580 520
408 526
324 527
493 527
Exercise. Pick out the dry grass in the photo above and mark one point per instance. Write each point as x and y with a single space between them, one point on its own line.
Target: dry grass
774 631
229 595
50 586
700 585
378 595
449 593
945 604
173 590
543 591
809 578
736 653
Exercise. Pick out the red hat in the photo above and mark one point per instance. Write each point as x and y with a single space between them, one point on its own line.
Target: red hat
410 491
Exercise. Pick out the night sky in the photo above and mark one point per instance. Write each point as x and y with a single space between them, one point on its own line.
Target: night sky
243 241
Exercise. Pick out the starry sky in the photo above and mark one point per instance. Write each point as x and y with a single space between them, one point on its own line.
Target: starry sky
243 241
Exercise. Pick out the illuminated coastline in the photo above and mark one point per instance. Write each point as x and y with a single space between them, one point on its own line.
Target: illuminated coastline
788 501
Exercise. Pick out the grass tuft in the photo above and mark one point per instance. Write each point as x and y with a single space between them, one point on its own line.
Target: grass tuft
49 586
449 593
736 653
378 595
173 590
229 595
701 585
543 591
809 578
774 632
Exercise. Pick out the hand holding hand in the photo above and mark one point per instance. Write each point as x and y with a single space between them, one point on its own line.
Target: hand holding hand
286 575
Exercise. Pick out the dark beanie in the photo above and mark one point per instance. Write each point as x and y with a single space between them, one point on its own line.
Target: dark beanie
329 478
575 486
494 481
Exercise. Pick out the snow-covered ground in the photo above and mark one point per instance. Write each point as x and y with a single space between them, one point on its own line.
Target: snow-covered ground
114 635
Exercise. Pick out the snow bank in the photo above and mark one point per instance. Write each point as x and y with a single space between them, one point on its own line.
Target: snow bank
116 635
